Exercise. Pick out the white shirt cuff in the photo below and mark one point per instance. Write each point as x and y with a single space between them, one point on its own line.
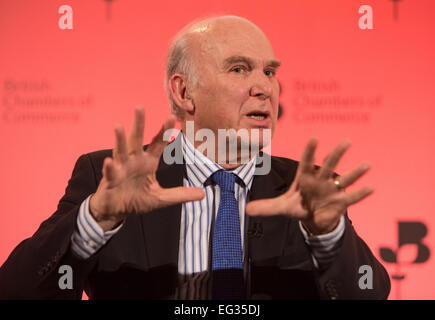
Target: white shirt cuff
89 237
325 247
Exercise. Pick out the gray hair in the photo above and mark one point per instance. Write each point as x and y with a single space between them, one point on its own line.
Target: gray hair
180 60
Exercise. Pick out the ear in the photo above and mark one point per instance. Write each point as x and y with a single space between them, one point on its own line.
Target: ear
179 92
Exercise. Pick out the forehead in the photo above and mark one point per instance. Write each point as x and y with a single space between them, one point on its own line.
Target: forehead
231 38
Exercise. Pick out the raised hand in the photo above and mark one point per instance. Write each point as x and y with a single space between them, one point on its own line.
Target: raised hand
129 184
315 197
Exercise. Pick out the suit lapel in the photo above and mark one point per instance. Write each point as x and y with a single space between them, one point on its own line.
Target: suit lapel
268 238
162 227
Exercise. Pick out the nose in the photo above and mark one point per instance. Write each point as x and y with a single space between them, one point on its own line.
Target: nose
261 86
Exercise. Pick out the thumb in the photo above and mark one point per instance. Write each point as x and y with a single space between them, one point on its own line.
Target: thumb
266 207
177 195
290 206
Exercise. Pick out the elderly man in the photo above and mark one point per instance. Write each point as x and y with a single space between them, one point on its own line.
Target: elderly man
131 225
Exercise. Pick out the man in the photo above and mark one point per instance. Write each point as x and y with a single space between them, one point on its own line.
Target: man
131 225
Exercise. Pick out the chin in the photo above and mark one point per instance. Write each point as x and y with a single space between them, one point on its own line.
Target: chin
259 138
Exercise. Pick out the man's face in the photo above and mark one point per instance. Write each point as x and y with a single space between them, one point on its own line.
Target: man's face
237 72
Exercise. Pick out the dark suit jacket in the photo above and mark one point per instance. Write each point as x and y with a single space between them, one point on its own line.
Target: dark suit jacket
141 260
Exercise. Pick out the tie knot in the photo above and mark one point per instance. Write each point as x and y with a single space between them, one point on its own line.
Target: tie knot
225 180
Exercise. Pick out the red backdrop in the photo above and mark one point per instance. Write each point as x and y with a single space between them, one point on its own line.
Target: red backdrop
62 91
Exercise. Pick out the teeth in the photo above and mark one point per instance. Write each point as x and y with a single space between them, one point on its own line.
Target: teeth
257 117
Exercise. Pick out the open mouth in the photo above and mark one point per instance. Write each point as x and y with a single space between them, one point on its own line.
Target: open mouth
258 115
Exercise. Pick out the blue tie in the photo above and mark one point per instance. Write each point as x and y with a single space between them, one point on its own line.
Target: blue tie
227 254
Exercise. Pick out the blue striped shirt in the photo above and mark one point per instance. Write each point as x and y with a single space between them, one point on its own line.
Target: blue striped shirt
197 216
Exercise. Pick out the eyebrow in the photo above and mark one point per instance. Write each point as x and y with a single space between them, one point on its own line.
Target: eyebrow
238 59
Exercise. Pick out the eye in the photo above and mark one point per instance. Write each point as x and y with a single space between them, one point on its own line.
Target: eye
238 69
270 73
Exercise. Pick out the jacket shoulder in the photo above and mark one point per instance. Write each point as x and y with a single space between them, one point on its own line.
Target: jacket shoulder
95 159
281 162
284 166
99 155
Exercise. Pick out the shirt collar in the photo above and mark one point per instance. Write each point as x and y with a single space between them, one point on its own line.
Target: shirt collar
199 168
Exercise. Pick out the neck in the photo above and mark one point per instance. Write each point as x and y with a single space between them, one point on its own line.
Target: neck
229 155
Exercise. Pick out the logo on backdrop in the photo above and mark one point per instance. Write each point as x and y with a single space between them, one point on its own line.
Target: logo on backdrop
280 107
36 101
108 8
396 9
411 236
326 101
